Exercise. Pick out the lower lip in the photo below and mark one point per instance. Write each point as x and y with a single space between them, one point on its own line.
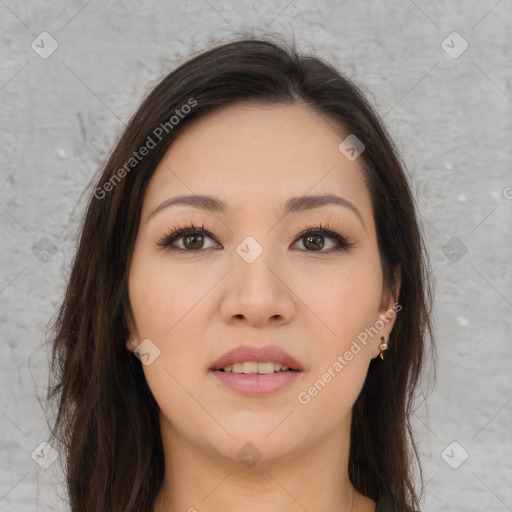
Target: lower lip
254 384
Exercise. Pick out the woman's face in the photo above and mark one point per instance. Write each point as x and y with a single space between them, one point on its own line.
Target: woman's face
255 280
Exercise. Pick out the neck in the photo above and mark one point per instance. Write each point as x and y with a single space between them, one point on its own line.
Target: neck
198 478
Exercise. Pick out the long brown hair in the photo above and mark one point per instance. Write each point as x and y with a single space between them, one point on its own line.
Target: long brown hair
106 417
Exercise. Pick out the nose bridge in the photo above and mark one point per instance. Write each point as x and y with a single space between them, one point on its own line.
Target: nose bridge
252 272
256 291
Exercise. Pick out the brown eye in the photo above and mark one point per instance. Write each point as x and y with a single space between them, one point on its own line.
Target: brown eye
192 240
314 242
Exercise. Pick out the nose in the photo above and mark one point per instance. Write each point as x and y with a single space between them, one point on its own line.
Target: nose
257 293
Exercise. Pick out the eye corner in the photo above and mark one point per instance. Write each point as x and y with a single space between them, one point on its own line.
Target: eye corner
343 243
166 242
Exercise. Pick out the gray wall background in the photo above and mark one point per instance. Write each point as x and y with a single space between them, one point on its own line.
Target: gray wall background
448 109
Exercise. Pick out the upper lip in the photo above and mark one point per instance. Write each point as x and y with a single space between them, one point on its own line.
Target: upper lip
266 354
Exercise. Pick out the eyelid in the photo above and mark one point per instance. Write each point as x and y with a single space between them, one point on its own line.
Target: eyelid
177 232
343 243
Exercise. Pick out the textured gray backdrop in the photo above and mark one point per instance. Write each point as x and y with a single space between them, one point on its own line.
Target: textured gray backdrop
447 105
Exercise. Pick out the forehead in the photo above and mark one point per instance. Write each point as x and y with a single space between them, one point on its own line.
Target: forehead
254 155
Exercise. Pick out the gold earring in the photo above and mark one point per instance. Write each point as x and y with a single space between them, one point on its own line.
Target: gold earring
383 346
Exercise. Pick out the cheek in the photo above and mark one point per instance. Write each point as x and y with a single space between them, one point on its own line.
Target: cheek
348 305
332 392
161 298
163 305
347 299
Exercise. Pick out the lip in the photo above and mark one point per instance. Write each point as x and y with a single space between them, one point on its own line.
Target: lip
266 354
255 384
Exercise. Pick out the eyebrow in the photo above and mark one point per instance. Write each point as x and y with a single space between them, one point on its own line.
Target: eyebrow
292 205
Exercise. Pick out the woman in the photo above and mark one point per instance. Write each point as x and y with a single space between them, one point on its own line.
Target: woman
246 316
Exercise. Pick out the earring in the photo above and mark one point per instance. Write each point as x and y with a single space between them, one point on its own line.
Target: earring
383 346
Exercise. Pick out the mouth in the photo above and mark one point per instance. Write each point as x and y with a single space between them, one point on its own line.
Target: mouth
256 360
253 367
256 371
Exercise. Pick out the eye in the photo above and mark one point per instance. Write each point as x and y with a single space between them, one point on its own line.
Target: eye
313 240
191 238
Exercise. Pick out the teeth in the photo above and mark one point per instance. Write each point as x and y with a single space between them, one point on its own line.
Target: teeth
254 367
266 367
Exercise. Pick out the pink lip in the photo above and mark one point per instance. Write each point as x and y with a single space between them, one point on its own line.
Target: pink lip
259 355
254 384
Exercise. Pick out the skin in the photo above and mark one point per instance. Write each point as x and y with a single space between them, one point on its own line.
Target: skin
195 306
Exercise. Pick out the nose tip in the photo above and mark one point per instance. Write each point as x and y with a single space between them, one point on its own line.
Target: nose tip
255 293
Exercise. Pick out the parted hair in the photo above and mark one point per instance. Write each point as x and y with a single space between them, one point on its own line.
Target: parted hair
105 418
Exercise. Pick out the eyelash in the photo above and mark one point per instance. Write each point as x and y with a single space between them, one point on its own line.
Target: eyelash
343 244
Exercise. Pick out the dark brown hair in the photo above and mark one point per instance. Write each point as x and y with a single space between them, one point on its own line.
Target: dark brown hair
106 417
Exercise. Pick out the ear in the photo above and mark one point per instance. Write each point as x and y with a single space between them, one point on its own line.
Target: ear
388 311
131 343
